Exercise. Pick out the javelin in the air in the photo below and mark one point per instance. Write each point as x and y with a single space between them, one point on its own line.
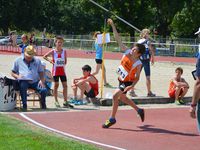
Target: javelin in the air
115 15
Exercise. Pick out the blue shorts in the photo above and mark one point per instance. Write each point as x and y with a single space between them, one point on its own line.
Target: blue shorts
198 67
146 65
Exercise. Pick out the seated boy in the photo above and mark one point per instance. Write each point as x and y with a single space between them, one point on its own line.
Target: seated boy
178 87
88 85
48 79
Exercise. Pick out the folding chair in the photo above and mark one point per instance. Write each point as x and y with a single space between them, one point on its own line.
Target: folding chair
32 96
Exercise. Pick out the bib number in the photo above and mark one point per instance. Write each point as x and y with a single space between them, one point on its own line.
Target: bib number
122 72
60 62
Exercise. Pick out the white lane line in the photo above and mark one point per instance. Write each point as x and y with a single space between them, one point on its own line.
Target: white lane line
67 134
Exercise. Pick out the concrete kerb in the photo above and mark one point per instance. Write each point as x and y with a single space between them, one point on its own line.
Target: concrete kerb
145 100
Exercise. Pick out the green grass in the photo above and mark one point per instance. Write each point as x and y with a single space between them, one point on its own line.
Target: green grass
16 135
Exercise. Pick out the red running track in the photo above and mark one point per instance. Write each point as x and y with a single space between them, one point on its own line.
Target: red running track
163 129
89 54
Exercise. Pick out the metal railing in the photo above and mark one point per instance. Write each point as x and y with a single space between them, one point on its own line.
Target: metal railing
188 49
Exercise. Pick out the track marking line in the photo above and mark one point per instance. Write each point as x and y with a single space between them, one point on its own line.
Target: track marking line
67 134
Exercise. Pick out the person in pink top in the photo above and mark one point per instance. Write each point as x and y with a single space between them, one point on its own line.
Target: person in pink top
59 61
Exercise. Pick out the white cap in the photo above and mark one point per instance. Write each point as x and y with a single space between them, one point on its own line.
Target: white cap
43 63
197 31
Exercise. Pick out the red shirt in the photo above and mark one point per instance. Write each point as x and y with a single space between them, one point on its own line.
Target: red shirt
94 86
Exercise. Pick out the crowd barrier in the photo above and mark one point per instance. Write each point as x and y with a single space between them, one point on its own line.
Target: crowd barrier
11 49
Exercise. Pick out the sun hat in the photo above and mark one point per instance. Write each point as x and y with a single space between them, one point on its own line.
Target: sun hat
30 51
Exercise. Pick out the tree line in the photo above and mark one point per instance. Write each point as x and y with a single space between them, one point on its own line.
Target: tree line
177 18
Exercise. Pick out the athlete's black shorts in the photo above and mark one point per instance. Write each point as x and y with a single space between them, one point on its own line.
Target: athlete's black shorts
62 78
90 94
98 61
123 85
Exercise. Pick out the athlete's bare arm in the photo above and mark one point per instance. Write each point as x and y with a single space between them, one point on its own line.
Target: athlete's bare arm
116 35
46 56
152 52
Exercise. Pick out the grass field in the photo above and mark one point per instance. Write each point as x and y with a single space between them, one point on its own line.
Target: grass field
17 135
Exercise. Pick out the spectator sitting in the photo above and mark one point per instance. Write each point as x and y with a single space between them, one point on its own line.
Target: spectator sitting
48 79
178 87
28 70
88 85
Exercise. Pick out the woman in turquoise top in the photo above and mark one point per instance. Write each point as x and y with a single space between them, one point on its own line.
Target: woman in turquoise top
98 59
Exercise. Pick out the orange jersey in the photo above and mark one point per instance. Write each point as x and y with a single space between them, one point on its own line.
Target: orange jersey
172 89
171 86
128 68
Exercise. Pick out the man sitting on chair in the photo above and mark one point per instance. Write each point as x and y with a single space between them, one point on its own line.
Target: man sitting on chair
30 73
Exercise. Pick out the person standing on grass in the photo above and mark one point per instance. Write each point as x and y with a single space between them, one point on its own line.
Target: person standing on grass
98 59
59 61
178 87
128 75
196 94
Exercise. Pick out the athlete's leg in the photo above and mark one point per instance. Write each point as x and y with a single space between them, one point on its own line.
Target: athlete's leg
98 67
183 93
177 93
84 87
64 84
115 101
55 89
75 89
126 100
148 84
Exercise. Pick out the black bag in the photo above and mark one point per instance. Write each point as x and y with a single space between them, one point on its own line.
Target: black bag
11 82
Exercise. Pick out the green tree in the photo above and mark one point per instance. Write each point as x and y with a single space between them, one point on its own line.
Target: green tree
26 14
136 12
80 17
19 14
164 14
177 17
51 14
6 15
186 21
